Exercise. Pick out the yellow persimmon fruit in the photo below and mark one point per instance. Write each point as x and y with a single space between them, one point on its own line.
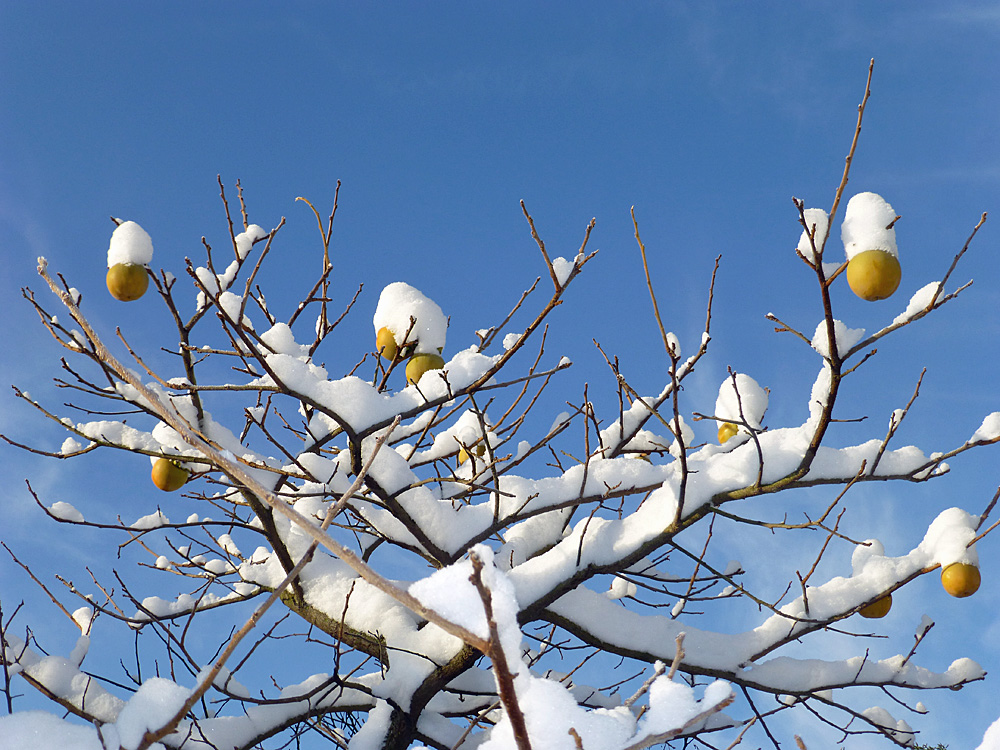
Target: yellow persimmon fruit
127 281
726 431
463 454
873 274
960 579
421 363
168 475
385 343
878 608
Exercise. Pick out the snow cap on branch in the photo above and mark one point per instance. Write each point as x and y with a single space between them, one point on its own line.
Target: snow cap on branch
821 220
846 338
245 239
948 537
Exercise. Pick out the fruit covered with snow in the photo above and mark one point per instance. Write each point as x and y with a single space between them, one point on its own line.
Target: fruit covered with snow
412 318
726 431
421 363
385 343
869 235
741 401
131 249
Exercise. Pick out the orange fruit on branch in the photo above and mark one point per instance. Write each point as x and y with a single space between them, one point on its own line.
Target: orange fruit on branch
127 281
877 609
169 475
960 579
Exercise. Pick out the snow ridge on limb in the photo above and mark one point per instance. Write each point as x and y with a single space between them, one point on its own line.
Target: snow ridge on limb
739 657
540 710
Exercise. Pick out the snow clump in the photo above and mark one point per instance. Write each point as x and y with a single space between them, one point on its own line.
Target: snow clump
621 588
562 268
153 705
66 512
846 338
988 430
246 238
867 225
70 445
949 536
398 303
821 220
742 401
130 244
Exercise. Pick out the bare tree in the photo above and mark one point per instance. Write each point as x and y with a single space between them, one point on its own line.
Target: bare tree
452 570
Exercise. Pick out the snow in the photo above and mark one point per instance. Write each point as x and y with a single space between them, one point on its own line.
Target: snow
120 434
948 537
820 219
563 268
621 588
83 617
559 421
686 435
154 606
988 430
673 344
673 704
155 702
231 304
80 650
920 301
225 680
466 431
218 286
66 512
369 737
246 238
279 339
227 543
450 592
991 740
865 222
130 244
846 338
398 303
70 445
549 707
899 730
40 730
63 677
873 574
546 540
151 521
218 567
741 400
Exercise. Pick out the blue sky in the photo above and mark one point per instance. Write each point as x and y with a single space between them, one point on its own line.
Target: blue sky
438 118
